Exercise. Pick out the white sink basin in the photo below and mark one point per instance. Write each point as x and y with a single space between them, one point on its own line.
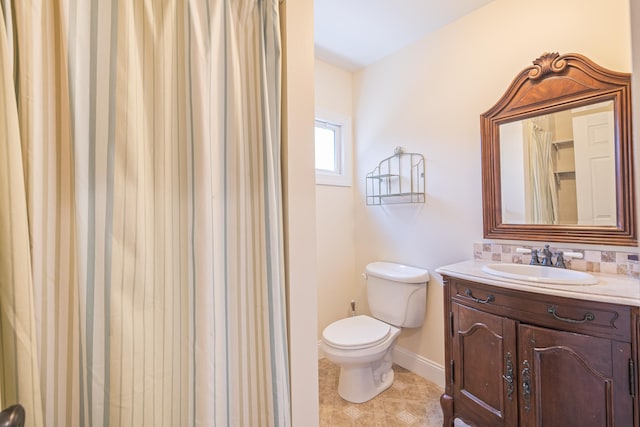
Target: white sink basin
540 274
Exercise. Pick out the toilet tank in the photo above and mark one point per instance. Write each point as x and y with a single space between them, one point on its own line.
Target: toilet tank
397 293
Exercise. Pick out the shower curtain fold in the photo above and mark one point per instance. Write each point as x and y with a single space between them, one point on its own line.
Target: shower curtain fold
141 251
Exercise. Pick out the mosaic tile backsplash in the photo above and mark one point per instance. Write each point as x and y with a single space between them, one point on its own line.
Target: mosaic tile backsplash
610 262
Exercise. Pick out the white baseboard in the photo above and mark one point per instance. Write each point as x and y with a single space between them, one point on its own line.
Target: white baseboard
413 362
419 365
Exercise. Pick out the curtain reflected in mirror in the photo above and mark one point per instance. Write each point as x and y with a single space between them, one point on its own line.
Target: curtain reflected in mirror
544 203
559 168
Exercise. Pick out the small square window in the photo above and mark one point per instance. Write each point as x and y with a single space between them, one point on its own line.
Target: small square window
328 142
333 150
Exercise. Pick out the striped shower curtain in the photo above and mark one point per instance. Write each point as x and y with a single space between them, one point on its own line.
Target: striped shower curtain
542 179
141 251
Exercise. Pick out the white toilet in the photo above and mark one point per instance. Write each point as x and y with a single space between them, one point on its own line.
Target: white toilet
362 345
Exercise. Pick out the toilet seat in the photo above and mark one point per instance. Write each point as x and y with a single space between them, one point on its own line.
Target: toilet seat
356 332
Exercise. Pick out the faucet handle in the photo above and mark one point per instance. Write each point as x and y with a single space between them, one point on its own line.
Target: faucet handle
560 260
534 254
534 257
576 255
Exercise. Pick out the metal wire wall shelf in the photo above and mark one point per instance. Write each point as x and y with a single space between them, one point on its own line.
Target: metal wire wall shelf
397 179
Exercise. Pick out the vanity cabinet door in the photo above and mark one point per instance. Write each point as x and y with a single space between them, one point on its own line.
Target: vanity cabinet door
569 379
485 367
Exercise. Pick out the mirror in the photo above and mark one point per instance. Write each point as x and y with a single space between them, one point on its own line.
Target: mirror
559 168
557 157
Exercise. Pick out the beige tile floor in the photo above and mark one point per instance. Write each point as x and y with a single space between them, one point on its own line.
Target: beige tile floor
410 401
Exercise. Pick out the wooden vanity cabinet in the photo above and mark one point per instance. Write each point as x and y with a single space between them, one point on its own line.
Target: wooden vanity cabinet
522 359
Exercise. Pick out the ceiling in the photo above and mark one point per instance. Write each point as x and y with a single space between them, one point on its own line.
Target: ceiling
353 34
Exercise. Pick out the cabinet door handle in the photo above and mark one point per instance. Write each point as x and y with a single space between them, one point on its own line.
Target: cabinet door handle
526 386
588 316
490 298
508 377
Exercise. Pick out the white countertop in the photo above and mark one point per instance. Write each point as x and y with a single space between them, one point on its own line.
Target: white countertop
611 288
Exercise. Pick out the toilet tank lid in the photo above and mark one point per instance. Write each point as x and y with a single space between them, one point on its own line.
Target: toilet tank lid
397 272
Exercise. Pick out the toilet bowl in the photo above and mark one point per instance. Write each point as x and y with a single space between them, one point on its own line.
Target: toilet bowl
363 345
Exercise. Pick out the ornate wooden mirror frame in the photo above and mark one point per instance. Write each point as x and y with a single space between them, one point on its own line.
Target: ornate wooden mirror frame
555 83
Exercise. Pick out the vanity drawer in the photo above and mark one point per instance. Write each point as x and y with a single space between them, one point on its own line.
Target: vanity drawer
586 317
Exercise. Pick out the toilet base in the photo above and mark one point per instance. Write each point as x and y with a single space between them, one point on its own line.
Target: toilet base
359 384
364 372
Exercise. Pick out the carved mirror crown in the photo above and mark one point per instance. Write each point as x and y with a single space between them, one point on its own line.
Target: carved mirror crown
557 161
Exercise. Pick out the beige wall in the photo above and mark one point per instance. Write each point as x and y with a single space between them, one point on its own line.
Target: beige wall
299 208
334 210
427 98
